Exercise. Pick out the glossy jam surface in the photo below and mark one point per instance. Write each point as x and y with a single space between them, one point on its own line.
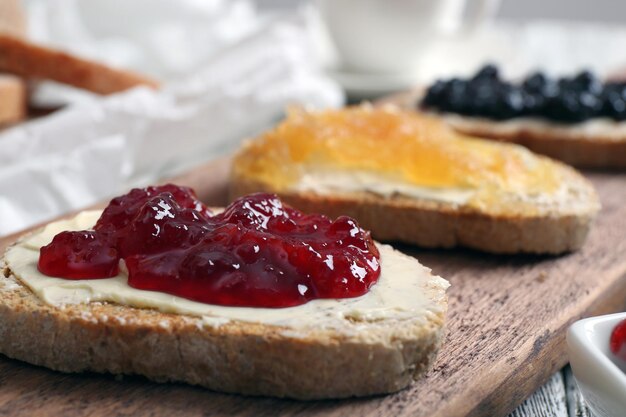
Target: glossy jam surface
564 100
401 145
256 253
618 340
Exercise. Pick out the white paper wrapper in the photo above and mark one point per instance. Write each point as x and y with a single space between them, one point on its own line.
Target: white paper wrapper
167 39
99 147
30 194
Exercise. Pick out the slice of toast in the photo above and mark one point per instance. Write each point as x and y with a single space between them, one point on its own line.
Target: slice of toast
522 220
596 144
346 355
12 18
12 88
29 60
12 99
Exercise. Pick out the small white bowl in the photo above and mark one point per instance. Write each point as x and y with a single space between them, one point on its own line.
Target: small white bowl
601 376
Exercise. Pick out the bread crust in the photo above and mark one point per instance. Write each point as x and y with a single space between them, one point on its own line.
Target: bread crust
570 144
13 102
364 358
12 18
28 60
553 229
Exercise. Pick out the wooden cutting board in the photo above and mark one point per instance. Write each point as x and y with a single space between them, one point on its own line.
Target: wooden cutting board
506 335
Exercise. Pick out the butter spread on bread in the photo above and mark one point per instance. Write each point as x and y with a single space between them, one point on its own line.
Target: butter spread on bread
401 291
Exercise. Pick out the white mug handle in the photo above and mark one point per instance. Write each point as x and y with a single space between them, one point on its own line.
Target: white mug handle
479 13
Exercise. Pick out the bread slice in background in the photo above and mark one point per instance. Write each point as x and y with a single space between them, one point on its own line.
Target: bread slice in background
28 60
595 144
12 18
351 356
525 222
12 88
12 99
599 144
553 229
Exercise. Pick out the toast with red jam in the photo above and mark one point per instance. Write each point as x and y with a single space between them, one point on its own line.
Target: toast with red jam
257 299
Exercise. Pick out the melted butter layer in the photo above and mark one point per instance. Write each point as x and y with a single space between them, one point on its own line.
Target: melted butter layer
405 146
404 290
342 181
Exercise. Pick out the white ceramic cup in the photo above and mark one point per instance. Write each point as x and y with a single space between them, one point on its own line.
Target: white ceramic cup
391 36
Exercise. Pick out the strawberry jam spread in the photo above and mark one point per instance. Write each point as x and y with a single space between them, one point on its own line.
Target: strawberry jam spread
618 340
256 253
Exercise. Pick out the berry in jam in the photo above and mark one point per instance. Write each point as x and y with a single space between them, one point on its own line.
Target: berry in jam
618 340
565 100
257 252
79 255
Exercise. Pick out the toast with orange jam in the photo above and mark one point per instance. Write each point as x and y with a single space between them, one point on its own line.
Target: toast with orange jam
408 177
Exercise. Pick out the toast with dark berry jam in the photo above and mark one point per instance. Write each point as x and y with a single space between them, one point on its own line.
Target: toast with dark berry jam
579 120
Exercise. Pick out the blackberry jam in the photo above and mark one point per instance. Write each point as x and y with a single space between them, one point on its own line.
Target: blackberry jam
563 100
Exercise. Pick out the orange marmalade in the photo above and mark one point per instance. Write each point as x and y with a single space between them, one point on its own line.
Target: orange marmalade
403 146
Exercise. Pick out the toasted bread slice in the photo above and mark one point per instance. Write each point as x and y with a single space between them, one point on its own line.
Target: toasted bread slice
347 354
592 144
12 88
29 60
12 99
554 229
12 18
525 217
596 144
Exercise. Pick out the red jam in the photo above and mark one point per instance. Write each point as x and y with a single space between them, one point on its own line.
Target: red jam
257 253
618 340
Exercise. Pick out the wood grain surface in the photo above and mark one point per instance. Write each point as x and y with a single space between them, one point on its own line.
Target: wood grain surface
506 335
549 401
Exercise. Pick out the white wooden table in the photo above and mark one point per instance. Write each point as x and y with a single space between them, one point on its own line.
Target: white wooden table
559 397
